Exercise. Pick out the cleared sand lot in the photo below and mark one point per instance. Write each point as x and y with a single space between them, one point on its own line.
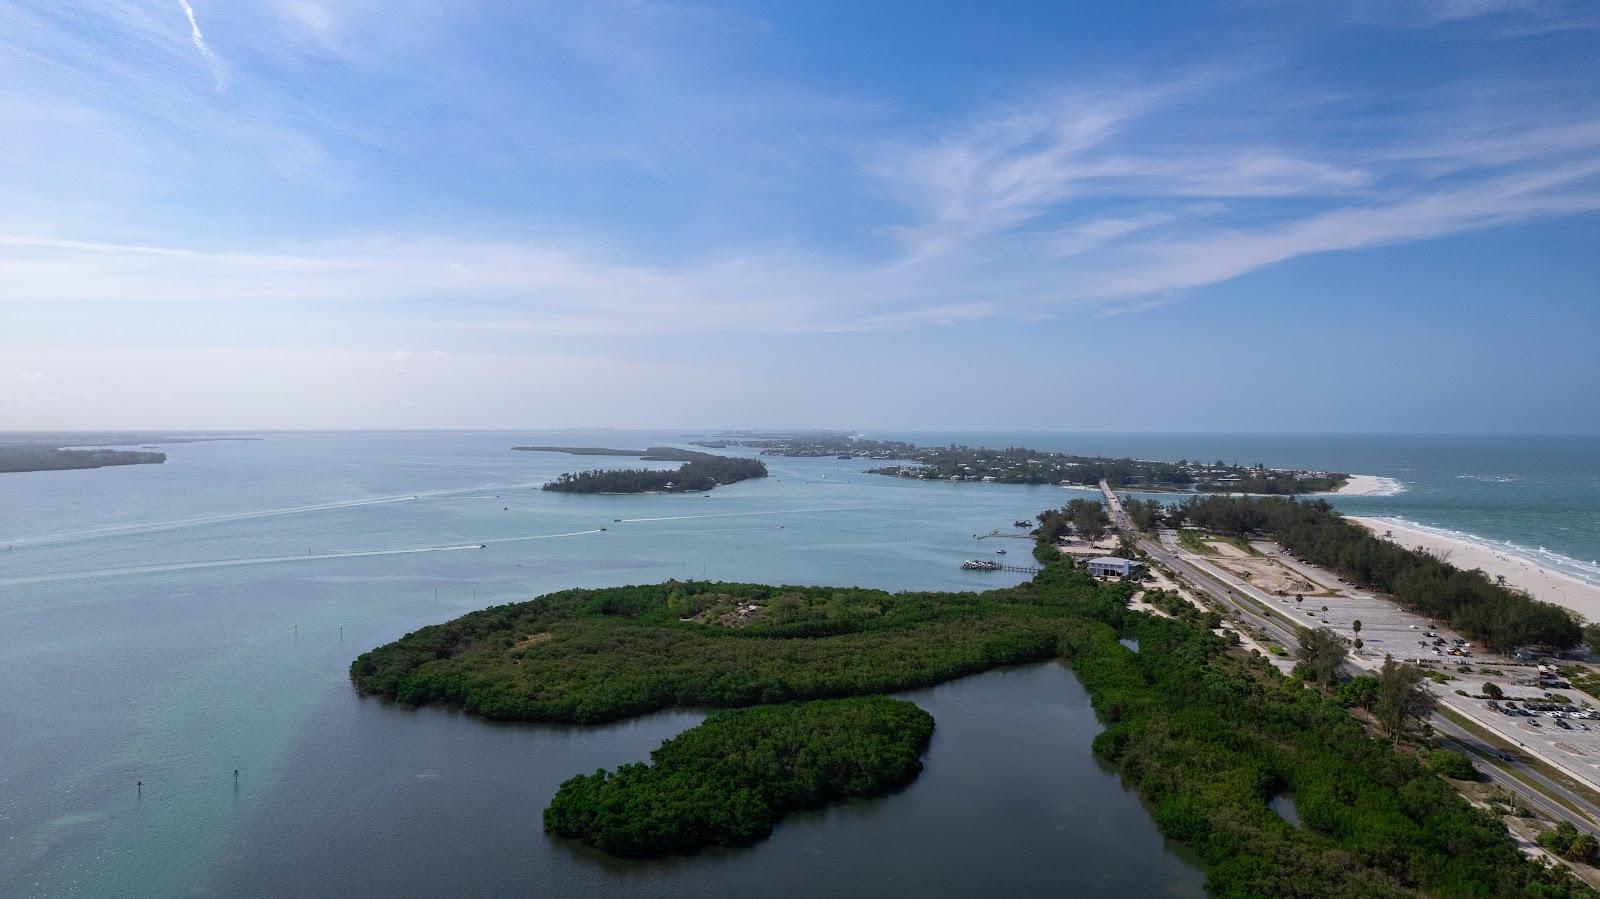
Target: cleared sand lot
1388 630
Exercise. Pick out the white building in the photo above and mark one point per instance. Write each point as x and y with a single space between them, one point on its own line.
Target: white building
1111 565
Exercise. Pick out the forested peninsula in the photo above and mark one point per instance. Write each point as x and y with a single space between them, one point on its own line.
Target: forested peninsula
700 471
1020 465
653 454
1206 732
24 457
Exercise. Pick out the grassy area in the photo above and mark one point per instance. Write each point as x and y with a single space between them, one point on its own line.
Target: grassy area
1194 541
1583 679
1239 542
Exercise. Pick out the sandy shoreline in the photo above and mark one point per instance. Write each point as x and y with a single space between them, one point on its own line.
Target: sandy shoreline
1370 485
1540 582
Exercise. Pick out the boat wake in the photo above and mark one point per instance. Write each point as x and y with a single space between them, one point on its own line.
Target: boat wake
162 568
745 514
148 527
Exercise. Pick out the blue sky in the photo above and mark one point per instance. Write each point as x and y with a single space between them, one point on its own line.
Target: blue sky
1157 216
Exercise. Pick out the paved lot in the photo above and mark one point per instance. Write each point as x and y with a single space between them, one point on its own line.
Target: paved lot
1388 629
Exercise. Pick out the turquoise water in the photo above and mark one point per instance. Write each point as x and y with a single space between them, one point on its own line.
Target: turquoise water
1540 493
169 624
172 623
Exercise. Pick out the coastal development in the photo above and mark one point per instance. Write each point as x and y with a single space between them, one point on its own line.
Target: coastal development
1184 672
702 448
1019 465
1289 590
1234 648
1541 782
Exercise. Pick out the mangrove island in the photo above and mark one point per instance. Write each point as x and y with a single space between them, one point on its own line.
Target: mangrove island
728 780
700 471
1208 732
28 457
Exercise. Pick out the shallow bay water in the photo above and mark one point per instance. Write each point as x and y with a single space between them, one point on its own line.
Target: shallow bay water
170 624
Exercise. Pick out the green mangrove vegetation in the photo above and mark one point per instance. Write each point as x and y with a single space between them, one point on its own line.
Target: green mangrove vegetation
728 780
25 457
1209 737
1020 465
586 656
1208 733
1500 617
702 472
1084 517
653 454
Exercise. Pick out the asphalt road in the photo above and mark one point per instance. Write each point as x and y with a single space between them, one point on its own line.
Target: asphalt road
1496 764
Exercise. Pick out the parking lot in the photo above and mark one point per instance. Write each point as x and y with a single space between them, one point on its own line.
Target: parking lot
1569 742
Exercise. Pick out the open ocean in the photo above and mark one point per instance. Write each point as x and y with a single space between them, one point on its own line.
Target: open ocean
171 623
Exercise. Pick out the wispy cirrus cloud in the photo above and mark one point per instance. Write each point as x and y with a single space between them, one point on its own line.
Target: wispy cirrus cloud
198 38
1058 199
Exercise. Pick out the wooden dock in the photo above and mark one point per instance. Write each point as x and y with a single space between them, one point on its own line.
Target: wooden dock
997 533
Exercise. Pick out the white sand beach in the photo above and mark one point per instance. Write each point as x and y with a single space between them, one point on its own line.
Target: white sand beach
1540 582
1370 485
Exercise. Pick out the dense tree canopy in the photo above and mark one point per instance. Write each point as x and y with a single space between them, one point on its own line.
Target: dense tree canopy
1402 697
27 457
1208 734
596 655
1209 738
1143 512
697 476
1322 652
1468 600
729 779
1085 517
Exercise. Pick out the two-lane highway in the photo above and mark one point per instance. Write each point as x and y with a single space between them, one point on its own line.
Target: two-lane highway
1508 768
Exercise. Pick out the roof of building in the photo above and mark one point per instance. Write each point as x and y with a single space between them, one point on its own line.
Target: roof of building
1112 560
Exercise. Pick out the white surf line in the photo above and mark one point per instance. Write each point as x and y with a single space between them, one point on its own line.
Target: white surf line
117 530
743 514
268 560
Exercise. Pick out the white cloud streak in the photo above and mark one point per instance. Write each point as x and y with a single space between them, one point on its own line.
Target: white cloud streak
1018 247
1080 199
199 40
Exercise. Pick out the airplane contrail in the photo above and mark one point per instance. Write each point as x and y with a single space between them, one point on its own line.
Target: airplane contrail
200 44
